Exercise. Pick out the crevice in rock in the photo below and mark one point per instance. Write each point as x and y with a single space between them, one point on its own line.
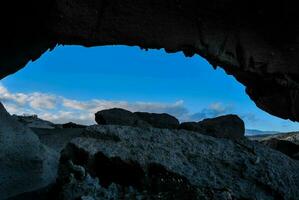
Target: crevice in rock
115 170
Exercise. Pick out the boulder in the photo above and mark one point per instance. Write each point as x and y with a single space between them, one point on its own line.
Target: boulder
25 164
122 162
119 116
227 126
159 120
284 146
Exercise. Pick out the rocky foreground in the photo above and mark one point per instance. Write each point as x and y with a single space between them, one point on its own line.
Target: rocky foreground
110 161
132 163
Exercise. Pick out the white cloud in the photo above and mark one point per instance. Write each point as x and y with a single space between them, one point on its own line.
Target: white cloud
42 101
36 100
69 116
59 109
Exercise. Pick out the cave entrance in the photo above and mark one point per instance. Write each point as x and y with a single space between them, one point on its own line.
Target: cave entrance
71 83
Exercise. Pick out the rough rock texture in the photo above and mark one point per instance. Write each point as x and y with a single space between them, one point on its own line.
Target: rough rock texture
227 126
25 164
255 41
118 116
156 120
284 146
34 122
114 162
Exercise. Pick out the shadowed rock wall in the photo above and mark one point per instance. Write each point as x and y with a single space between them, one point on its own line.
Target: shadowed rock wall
255 41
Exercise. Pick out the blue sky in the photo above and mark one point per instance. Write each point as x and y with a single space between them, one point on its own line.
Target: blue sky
72 82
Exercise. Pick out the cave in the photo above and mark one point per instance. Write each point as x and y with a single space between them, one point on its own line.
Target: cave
254 41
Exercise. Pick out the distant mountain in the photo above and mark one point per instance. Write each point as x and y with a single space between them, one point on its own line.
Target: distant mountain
255 132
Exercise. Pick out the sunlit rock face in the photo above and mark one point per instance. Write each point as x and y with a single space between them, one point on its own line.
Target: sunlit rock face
256 41
25 164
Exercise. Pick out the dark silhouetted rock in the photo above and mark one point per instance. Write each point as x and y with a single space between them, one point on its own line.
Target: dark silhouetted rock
72 125
172 164
159 120
227 126
246 41
191 126
25 163
118 116
284 146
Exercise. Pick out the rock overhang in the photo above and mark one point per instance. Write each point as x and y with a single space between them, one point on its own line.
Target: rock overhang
255 41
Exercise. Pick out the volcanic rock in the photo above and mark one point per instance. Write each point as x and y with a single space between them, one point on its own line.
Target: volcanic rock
246 41
25 164
122 162
163 120
118 116
227 126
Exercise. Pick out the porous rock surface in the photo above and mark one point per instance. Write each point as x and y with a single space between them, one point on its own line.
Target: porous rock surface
122 162
254 40
227 126
25 164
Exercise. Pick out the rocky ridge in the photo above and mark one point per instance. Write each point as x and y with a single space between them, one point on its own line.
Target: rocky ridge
227 126
129 162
